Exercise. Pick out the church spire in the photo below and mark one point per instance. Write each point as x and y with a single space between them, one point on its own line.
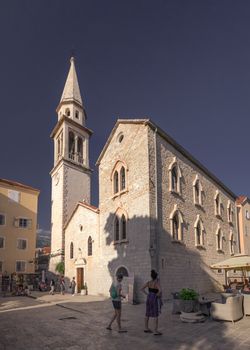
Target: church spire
71 91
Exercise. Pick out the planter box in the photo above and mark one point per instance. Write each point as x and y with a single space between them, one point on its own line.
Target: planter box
83 291
189 305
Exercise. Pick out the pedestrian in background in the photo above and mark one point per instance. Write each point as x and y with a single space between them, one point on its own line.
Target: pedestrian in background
116 295
73 286
52 287
62 285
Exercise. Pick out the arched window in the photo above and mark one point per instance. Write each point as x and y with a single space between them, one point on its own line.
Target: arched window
197 191
79 145
230 212
174 178
123 227
80 150
67 112
89 246
176 224
77 114
116 182
175 227
217 202
117 227
122 271
71 145
219 240
122 178
118 177
231 243
71 250
199 230
198 234
58 147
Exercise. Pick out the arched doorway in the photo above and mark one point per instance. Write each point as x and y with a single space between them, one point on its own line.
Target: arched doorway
122 270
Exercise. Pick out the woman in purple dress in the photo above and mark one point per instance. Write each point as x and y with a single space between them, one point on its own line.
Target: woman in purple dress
153 301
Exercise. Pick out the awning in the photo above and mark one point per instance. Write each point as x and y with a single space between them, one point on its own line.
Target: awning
237 262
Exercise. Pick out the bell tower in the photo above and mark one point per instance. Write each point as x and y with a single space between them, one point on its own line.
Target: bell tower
71 175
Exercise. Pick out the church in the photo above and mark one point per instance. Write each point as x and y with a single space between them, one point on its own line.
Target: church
159 208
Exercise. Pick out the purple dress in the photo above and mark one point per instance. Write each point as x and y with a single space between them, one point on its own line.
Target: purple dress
152 306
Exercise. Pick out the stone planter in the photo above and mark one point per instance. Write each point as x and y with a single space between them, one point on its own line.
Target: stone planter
189 306
83 291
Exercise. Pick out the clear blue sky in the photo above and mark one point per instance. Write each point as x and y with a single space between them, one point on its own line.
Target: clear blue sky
185 64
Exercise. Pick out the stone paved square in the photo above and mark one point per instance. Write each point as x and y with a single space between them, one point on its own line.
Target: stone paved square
66 322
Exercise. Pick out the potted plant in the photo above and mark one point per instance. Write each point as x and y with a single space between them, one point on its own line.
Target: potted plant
189 300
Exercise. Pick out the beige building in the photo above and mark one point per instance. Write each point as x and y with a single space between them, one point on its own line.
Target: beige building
158 208
243 208
18 223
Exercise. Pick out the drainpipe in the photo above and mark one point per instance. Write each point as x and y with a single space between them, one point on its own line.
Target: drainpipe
237 226
156 205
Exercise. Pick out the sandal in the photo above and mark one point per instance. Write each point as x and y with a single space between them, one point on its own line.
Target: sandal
157 333
147 331
109 328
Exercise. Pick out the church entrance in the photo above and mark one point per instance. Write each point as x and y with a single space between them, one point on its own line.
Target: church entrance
79 279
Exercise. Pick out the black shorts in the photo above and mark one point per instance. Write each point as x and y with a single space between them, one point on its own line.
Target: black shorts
117 304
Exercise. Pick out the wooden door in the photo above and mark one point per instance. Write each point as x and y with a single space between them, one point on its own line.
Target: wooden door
80 279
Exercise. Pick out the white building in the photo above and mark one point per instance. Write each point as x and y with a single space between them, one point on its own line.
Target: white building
158 206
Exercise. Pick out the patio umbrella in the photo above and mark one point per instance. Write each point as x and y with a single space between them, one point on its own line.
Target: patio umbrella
236 262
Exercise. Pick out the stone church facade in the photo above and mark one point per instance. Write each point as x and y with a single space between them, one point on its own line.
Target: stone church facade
158 208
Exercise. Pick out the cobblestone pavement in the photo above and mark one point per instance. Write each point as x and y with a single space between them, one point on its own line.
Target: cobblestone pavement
74 323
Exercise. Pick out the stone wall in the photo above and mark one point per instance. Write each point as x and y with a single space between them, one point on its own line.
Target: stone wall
182 264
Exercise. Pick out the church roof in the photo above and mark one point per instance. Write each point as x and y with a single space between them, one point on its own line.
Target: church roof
85 205
71 91
170 140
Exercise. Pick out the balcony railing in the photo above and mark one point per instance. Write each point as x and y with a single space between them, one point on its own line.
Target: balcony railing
76 158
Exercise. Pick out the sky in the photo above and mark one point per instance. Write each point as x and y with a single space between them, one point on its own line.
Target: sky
183 64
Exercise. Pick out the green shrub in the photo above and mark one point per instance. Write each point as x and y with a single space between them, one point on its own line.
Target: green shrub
188 294
60 268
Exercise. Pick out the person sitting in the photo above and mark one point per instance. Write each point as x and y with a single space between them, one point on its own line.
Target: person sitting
233 285
246 287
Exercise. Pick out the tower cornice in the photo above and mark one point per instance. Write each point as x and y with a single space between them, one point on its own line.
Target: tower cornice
74 102
64 118
76 166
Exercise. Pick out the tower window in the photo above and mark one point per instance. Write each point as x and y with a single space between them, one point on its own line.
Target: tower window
71 145
71 250
67 112
89 246
77 114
